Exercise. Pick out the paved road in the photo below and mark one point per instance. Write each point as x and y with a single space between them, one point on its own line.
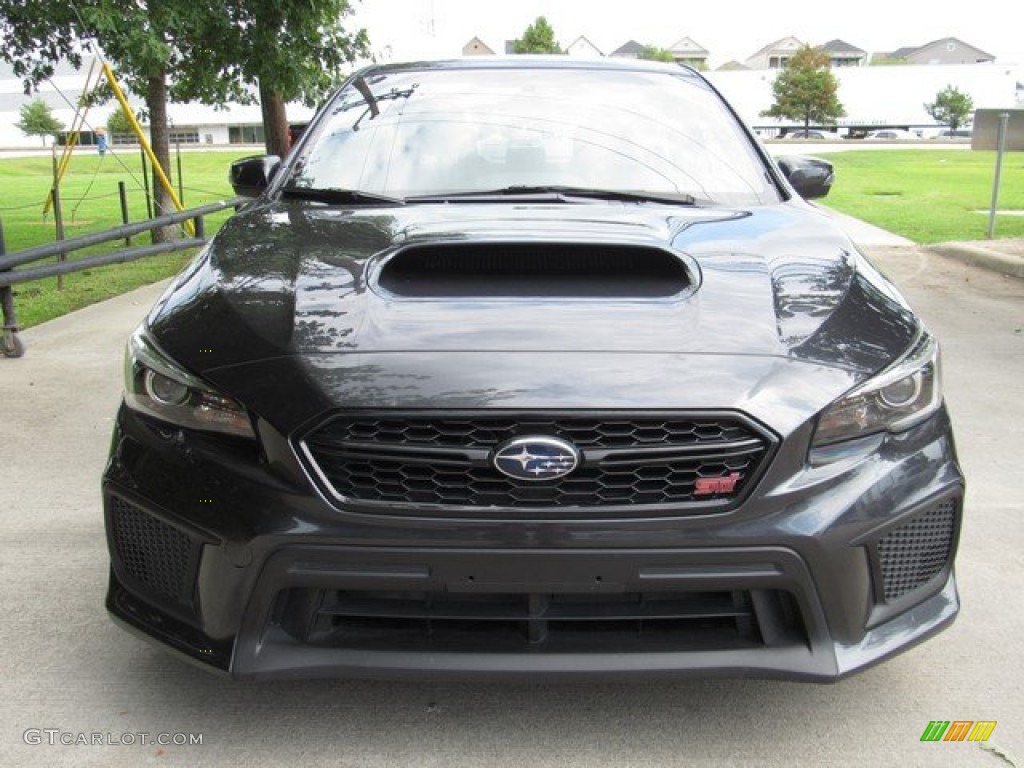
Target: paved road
65 666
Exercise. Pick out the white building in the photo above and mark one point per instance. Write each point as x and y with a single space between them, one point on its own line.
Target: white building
688 51
871 95
775 55
881 95
190 123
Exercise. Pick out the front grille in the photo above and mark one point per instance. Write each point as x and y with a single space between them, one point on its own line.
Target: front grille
151 553
626 460
440 622
915 552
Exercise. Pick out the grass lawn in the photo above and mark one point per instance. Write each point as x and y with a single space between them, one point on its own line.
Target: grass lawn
928 196
24 184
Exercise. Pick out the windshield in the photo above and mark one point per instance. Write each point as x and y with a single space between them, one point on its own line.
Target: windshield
429 132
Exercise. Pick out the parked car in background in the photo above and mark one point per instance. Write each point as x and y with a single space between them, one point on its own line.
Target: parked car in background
959 133
812 134
532 367
891 134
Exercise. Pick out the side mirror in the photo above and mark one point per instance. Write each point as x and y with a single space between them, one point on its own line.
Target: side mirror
251 175
811 177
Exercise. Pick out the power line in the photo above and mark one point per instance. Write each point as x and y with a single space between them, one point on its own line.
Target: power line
88 125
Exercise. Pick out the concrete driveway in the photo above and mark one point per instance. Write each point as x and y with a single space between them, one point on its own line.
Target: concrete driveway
66 668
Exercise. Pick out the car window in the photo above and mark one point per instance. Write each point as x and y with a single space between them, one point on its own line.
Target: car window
434 131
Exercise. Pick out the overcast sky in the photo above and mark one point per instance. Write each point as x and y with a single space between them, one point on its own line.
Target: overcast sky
410 29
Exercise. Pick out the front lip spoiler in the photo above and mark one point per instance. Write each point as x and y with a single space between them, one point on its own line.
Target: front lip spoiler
167 633
263 651
259 654
793 663
901 633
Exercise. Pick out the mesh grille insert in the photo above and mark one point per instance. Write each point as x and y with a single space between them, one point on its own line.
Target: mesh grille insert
151 552
628 459
915 552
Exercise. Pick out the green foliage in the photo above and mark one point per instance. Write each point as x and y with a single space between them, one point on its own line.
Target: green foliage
215 50
653 53
296 50
951 107
118 122
38 120
539 37
187 50
806 89
888 61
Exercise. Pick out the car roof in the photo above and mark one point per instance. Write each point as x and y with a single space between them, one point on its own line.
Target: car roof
529 61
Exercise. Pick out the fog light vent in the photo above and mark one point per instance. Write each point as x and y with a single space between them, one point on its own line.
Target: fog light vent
916 551
152 553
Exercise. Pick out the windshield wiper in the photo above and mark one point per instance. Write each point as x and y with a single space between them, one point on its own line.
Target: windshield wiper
560 193
340 196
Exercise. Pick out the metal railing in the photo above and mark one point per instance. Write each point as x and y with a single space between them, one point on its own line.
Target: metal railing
11 344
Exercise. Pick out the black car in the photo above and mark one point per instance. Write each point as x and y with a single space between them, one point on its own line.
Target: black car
532 367
812 134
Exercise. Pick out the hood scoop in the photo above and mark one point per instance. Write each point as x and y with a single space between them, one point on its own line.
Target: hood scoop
533 270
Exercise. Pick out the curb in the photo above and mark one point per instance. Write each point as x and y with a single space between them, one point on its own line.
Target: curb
980 256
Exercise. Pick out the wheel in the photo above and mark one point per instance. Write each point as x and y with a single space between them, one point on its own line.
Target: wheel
13 345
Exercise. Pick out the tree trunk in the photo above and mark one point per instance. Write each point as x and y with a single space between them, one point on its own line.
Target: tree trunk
159 137
807 123
275 122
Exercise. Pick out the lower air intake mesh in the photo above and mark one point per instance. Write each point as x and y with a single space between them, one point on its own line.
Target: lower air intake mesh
154 554
916 551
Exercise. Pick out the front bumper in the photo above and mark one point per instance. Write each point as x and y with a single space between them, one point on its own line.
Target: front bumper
246 569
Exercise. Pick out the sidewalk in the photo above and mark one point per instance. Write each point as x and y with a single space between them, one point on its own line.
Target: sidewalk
1003 256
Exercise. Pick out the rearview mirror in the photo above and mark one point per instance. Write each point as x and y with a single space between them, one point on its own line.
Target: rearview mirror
811 177
251 175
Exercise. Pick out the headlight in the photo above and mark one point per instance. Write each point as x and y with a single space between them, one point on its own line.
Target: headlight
904 394
157 386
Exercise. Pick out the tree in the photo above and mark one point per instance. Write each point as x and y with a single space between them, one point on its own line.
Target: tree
880 60
38 120
138 38
118 123
951 107
217 51
806 90
539 37
653 53
291 51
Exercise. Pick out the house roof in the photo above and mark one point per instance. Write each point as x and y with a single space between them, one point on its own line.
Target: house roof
902 53
841 46
958 41
782 44
584 40
478 42
629 48
688 45
732 66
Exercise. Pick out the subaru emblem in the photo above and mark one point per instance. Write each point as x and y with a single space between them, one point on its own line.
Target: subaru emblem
536 458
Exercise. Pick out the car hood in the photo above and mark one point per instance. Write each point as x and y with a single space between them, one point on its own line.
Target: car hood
292 287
